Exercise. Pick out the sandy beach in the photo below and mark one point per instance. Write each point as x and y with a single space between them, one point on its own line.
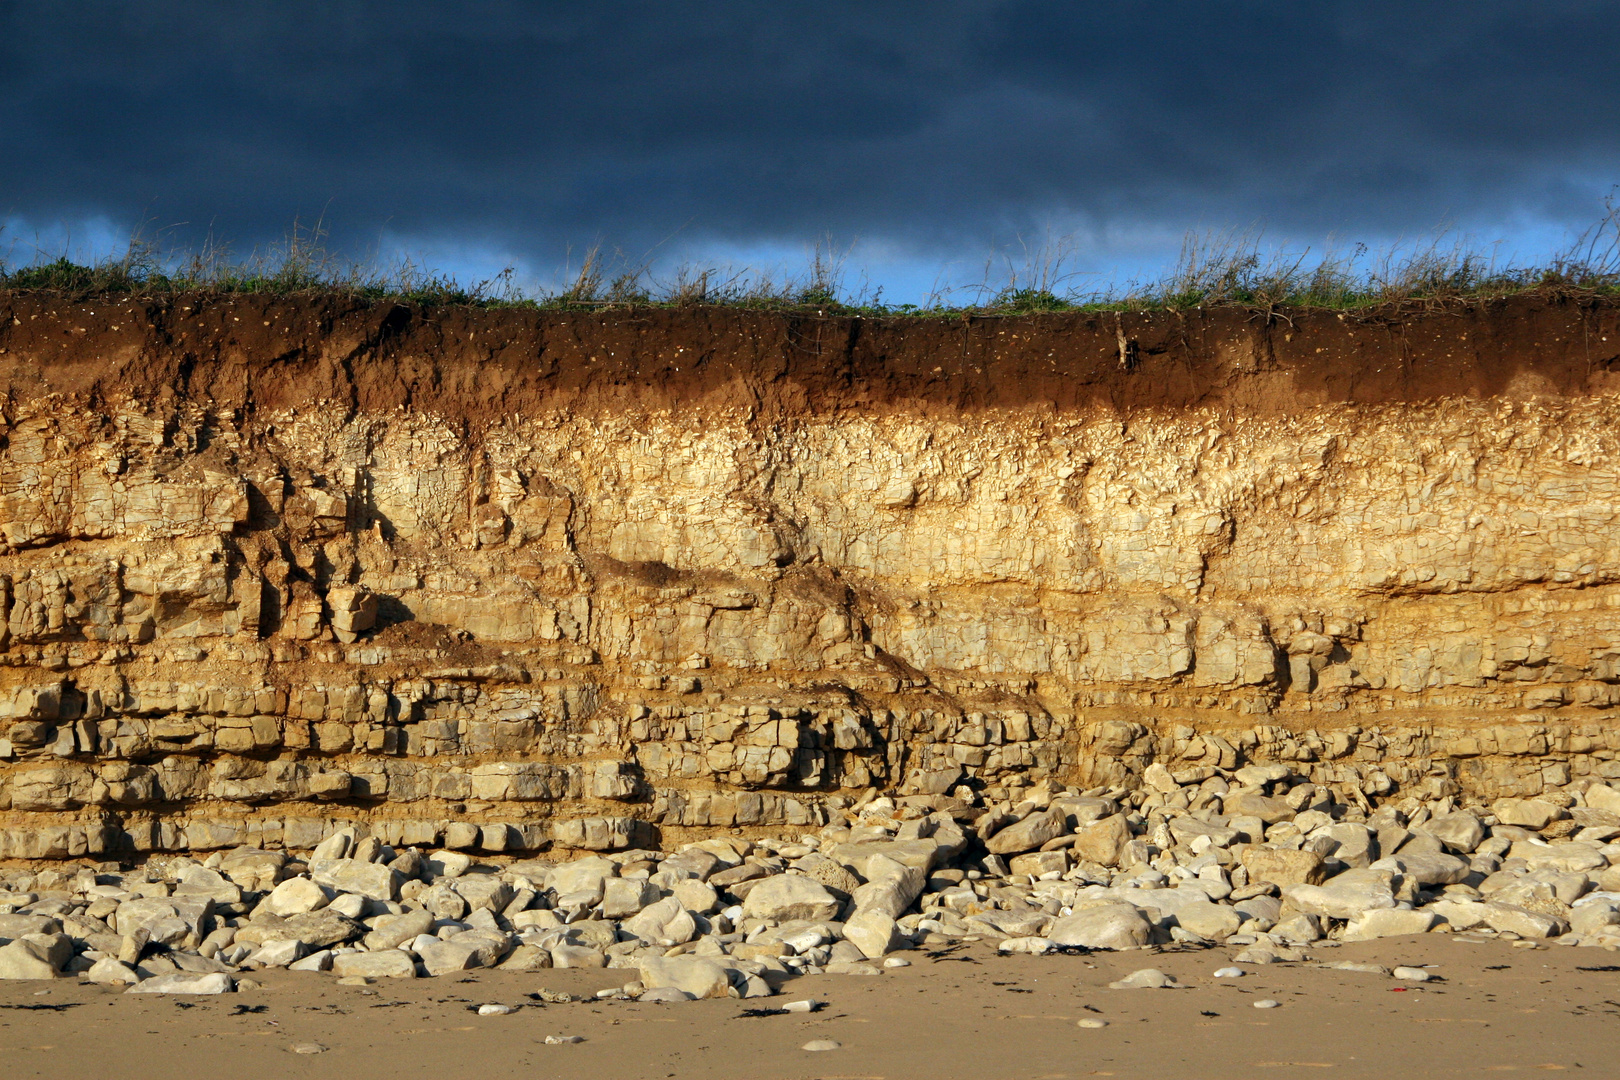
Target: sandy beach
1489 1008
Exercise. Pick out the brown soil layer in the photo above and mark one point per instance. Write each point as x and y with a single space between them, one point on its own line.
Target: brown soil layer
479 364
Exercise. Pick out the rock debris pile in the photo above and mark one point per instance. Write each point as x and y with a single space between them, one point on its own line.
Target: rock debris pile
1255 858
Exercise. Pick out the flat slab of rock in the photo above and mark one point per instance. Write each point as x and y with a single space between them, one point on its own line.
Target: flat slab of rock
22 959
1192 910
444 957
392 931
112 972
1527 813
923 854
1525 923
1577 857
316 929
1427 868
1269 810
1028 834
16 924
892 889
1283 866
1106 926
374 881
787 897
185 983
1389 922
1460 831
1146 979
694 975
386 964
168 921
1343 897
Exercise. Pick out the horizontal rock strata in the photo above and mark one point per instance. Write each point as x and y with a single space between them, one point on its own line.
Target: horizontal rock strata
498 582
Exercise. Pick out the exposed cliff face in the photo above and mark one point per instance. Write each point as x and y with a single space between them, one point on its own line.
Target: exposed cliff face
507 577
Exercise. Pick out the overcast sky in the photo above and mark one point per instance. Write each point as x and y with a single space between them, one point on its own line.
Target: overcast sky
922 137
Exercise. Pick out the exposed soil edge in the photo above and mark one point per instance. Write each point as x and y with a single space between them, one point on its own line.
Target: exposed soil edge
479 365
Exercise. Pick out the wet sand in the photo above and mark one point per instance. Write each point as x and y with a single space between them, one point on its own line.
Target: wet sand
1494 1009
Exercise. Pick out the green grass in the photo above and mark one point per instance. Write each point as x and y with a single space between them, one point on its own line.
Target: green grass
1221 269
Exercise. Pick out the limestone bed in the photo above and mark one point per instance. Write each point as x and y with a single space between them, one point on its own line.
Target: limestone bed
524 585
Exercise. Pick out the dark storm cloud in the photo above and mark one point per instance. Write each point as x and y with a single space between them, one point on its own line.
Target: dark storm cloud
934 124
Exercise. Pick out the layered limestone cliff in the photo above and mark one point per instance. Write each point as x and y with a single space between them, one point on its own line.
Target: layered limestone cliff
506 579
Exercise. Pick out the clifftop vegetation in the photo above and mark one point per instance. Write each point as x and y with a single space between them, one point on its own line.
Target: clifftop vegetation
1230 268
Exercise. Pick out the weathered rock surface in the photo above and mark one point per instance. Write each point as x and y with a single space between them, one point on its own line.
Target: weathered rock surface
296 896
1106 926
1028 834
791 897
875 934
110 972
1389 922
1283 866
385 964
696 976
344 589
25 959
937 646
1343 897
184 983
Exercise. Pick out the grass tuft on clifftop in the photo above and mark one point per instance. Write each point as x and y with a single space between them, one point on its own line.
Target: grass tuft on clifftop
1231 268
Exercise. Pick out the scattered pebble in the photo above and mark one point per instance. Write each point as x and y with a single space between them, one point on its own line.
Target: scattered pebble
308 1048
1267 1003
1411 974
896 962
1230 973
563 1040
807 1005
1091 1023
494 1010
821 1044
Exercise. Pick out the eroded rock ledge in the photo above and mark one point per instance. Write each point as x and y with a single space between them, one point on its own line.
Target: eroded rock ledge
504 580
